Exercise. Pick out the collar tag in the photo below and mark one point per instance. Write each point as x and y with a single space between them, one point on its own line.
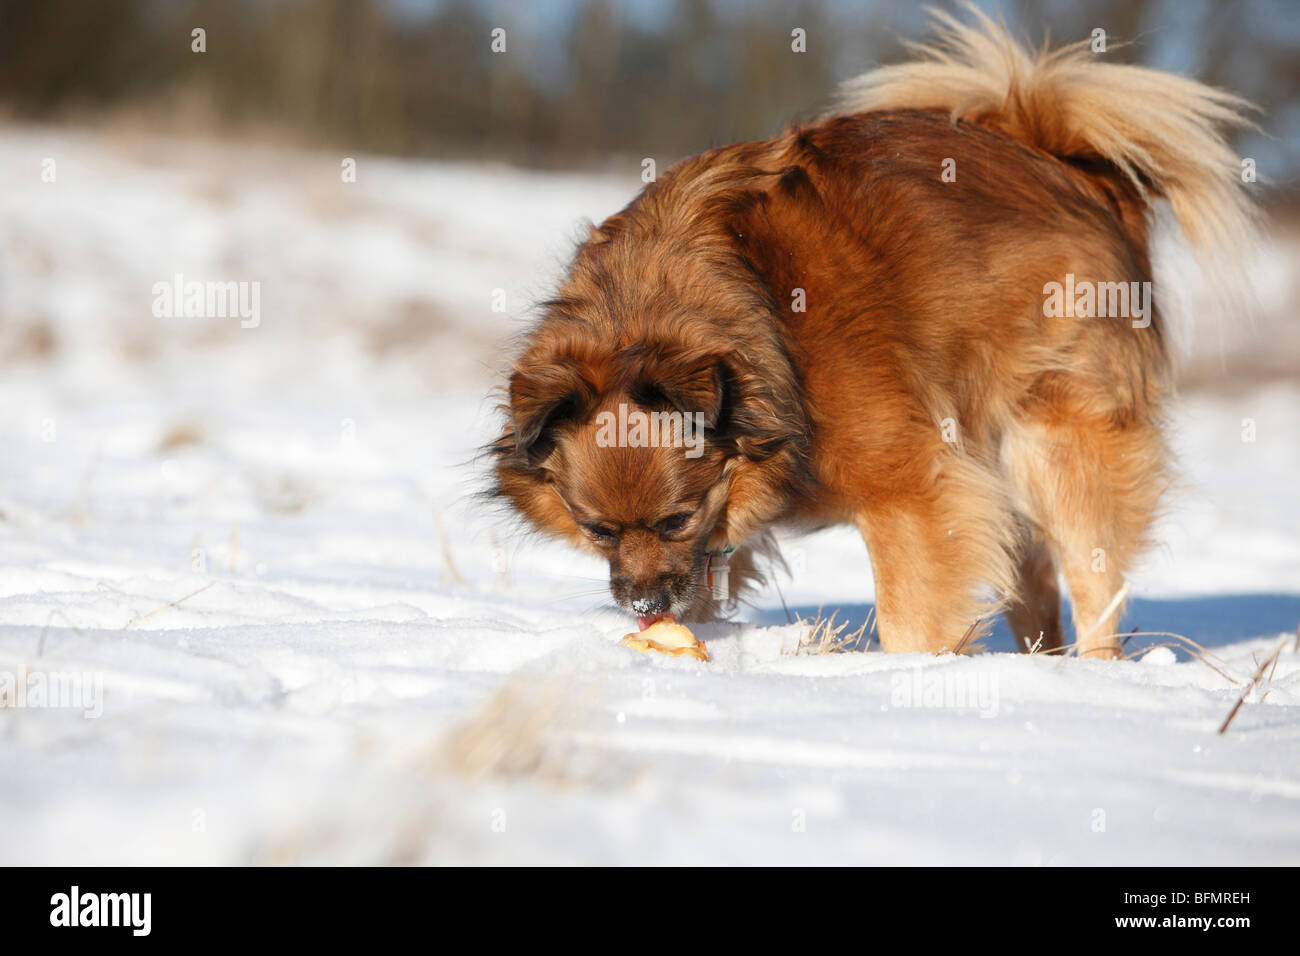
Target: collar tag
717 572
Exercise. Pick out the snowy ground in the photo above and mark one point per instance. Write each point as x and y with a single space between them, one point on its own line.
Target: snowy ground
365 666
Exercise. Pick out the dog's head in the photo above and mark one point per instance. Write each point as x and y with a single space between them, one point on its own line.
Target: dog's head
630 472
653 418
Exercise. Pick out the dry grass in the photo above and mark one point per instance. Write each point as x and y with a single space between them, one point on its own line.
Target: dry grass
283 494
180 435
31 340
450 573
826 637
1254 682
136 620
1179 642
965 645
523 730
520 734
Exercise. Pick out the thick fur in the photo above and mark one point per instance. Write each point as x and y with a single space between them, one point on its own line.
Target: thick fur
920 392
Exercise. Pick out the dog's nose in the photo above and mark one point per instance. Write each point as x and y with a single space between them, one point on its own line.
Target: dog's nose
655 604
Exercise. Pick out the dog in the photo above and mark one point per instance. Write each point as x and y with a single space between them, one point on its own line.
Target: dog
927 314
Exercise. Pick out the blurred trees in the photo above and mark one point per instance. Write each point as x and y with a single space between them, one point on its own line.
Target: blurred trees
580 79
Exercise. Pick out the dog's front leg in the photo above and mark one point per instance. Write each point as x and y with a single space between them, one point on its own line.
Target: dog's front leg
931 548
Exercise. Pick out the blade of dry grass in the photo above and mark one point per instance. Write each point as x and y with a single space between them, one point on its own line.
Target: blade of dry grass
966 638
1271 659
449 566
158 610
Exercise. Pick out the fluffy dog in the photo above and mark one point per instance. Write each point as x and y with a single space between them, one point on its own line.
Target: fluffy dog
927 314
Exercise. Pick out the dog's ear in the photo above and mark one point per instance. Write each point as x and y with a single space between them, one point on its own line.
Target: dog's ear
543 394
751 409
689 387
607 230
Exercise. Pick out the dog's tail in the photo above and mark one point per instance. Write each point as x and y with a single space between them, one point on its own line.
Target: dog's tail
1164 132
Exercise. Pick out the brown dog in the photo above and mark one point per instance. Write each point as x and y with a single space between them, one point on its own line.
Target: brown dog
927 314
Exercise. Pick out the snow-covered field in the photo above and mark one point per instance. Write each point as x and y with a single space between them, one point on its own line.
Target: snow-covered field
253 555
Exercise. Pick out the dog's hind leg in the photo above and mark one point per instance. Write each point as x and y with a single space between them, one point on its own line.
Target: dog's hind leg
1033 610
1093 485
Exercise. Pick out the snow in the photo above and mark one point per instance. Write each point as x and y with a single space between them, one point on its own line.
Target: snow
314 644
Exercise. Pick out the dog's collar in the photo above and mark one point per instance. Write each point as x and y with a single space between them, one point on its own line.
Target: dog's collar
719 555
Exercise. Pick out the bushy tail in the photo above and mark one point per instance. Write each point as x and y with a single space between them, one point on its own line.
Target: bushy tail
1164 132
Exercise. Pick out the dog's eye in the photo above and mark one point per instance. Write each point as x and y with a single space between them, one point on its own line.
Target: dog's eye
673 523
600 533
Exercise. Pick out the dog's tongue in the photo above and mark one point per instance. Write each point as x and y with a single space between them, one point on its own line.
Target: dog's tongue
643 622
